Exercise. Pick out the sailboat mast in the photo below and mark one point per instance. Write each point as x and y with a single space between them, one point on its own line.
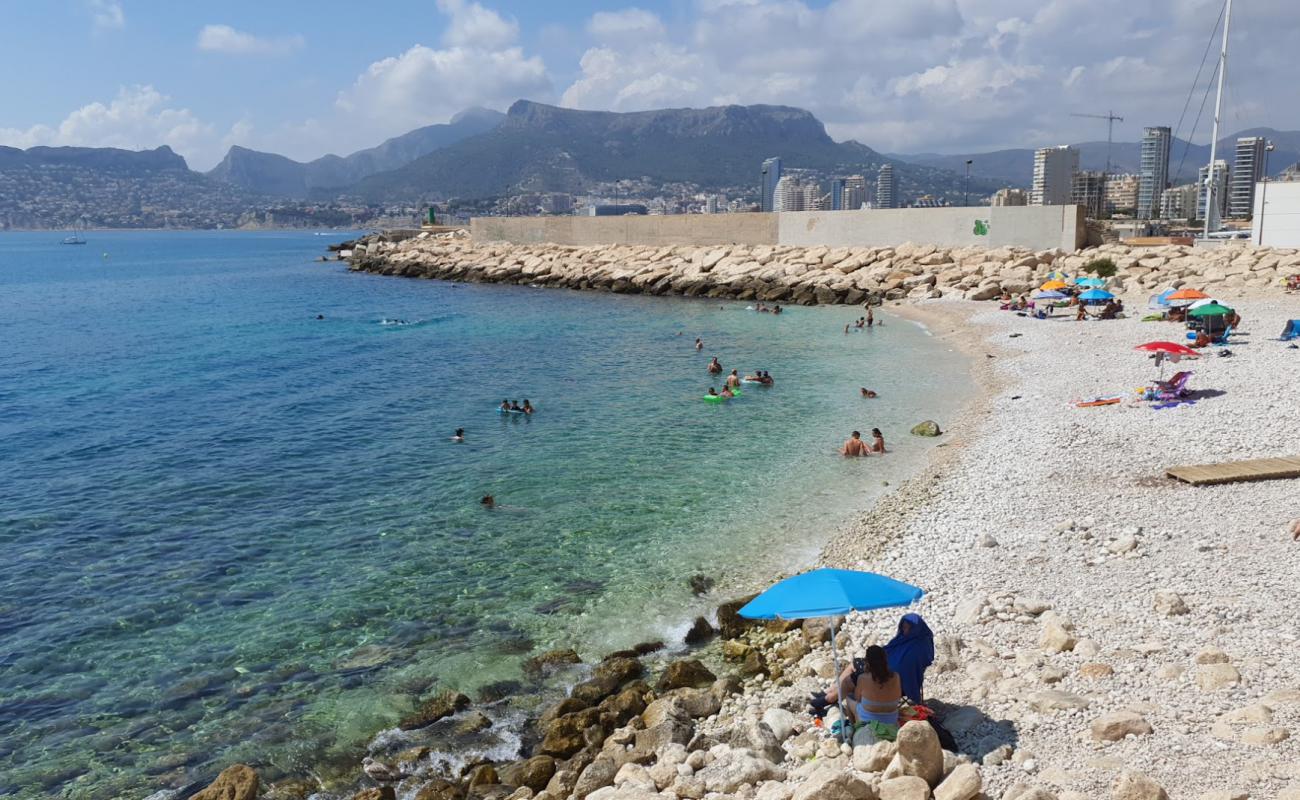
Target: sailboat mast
1211 207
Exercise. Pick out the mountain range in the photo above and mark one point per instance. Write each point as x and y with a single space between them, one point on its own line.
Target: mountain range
481 155
272 174
543 148
1015 167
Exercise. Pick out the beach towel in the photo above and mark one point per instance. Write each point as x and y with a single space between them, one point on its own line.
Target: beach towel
910 654
1099 401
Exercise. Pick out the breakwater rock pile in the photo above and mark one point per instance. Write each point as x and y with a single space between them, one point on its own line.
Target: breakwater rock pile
812 275
637 729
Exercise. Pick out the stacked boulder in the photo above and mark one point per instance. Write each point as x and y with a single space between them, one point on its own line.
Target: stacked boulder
814 275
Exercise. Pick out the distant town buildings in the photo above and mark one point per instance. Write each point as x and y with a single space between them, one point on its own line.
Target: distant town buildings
1088 189
1247 170
1221 173
855 192
1053 170
1179 202
771 177
1121 193
928 201
711 204
1010 197
1153 170
887 188
556 203
795 193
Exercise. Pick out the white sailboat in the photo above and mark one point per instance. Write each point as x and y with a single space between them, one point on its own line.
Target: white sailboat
1212 222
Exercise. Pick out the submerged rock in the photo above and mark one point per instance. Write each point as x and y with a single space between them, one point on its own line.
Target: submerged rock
927 428
685 673
441 705
236 782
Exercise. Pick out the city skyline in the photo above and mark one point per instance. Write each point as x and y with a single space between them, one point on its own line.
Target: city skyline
303 81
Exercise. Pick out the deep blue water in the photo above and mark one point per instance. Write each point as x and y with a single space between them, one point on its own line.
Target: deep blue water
232 531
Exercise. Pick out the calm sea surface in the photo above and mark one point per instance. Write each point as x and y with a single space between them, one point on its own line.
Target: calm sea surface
232 531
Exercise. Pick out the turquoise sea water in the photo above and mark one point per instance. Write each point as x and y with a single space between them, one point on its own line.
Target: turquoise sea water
232 531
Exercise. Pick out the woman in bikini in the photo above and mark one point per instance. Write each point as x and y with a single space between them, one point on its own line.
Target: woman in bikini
876 697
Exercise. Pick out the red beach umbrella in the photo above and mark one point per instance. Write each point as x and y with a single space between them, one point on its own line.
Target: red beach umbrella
1168 348
1167 351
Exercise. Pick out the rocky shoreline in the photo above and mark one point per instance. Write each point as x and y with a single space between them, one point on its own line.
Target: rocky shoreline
810 275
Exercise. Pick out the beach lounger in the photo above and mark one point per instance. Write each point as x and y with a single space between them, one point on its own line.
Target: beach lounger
1222 339
1291 331
1174 388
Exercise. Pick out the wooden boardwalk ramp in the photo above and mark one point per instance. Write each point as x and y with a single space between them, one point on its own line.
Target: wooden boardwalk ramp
1259 469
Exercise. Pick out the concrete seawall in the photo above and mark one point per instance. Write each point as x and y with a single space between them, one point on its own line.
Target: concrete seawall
1032 227
815 275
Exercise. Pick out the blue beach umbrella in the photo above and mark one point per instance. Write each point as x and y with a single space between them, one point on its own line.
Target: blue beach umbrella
1091 282
1096 296
1050 294
829 593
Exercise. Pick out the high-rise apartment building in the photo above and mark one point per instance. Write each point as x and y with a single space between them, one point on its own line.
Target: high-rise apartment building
837 194
1121 193
1054 168
887 188
1247 170
1153 170
855 192
771 177
794 193
1088 189
1178 202
1221 174
1010 197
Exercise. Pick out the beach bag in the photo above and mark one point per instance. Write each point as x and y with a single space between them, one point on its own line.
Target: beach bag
946 740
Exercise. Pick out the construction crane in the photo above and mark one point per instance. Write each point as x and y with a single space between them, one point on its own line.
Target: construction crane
1111 119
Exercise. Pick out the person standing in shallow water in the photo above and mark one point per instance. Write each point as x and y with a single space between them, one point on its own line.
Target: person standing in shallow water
877 441
699 345
855 447
459 436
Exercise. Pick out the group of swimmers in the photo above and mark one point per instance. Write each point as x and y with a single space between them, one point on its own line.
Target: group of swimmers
763 308
762 377
855 447
513 407
862 322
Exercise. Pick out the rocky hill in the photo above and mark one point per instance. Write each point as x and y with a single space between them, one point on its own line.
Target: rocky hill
268 173
545 148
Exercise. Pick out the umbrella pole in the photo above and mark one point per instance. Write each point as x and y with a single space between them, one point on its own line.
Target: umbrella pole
839 686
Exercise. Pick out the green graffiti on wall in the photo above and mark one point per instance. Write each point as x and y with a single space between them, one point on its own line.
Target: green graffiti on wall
981 227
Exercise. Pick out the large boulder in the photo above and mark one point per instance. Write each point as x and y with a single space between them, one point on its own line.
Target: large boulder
1116 725
565 736
1136 786
735 769
780 721
730 623
927 428
963 783
622 669
534 772
832 783
376 793
236 782
759 738
919 752
687 672
907 787
443 704
599 773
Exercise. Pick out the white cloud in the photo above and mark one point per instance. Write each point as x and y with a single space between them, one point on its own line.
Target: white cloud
107 15
225 39
472 25
628 24
139 118
479 64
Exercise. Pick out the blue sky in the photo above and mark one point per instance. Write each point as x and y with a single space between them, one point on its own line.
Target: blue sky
305 78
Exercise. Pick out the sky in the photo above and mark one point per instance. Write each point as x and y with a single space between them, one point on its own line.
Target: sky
903 76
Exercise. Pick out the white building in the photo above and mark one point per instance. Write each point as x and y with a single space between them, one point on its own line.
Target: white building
1276 221
1221 173
1054 169
795 193
1010 197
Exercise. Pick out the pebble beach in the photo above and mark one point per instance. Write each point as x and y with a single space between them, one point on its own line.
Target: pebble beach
1102 630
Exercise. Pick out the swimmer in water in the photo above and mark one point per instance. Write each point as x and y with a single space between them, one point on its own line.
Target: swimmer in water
528 407
505 405
713 392
459 436
699 344
877 441
320 316
867 393
514 406
726 392
871 320
489 502
846 330
733 380
714 367
855 447
766 378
